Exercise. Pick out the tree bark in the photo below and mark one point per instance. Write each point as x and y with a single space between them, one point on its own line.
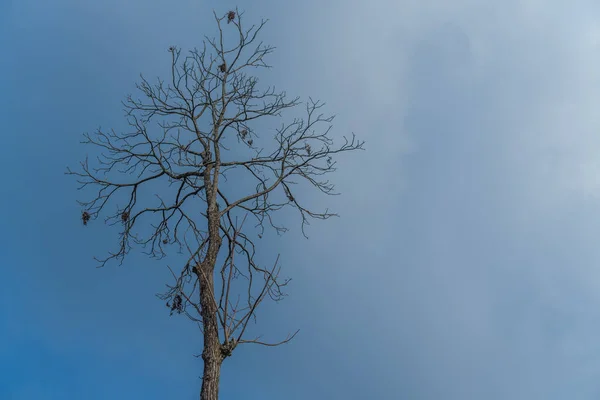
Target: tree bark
211 354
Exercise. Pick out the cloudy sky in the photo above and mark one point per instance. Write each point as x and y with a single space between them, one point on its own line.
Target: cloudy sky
465 264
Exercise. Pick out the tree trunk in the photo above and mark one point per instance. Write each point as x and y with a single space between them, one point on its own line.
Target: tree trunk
211 353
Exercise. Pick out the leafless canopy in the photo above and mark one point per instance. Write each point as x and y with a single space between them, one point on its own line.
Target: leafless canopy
187 136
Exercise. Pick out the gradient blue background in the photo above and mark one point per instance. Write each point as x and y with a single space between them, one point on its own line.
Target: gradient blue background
466 261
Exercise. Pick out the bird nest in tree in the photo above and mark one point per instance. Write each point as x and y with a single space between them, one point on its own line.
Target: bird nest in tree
85 217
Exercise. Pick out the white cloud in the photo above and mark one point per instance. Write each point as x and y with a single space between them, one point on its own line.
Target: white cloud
497 277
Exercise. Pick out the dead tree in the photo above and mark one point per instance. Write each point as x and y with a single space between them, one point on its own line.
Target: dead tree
209 103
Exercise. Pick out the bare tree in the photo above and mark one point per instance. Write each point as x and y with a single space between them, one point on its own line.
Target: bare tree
209 103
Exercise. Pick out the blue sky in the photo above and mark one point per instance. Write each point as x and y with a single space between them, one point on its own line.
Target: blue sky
465 264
